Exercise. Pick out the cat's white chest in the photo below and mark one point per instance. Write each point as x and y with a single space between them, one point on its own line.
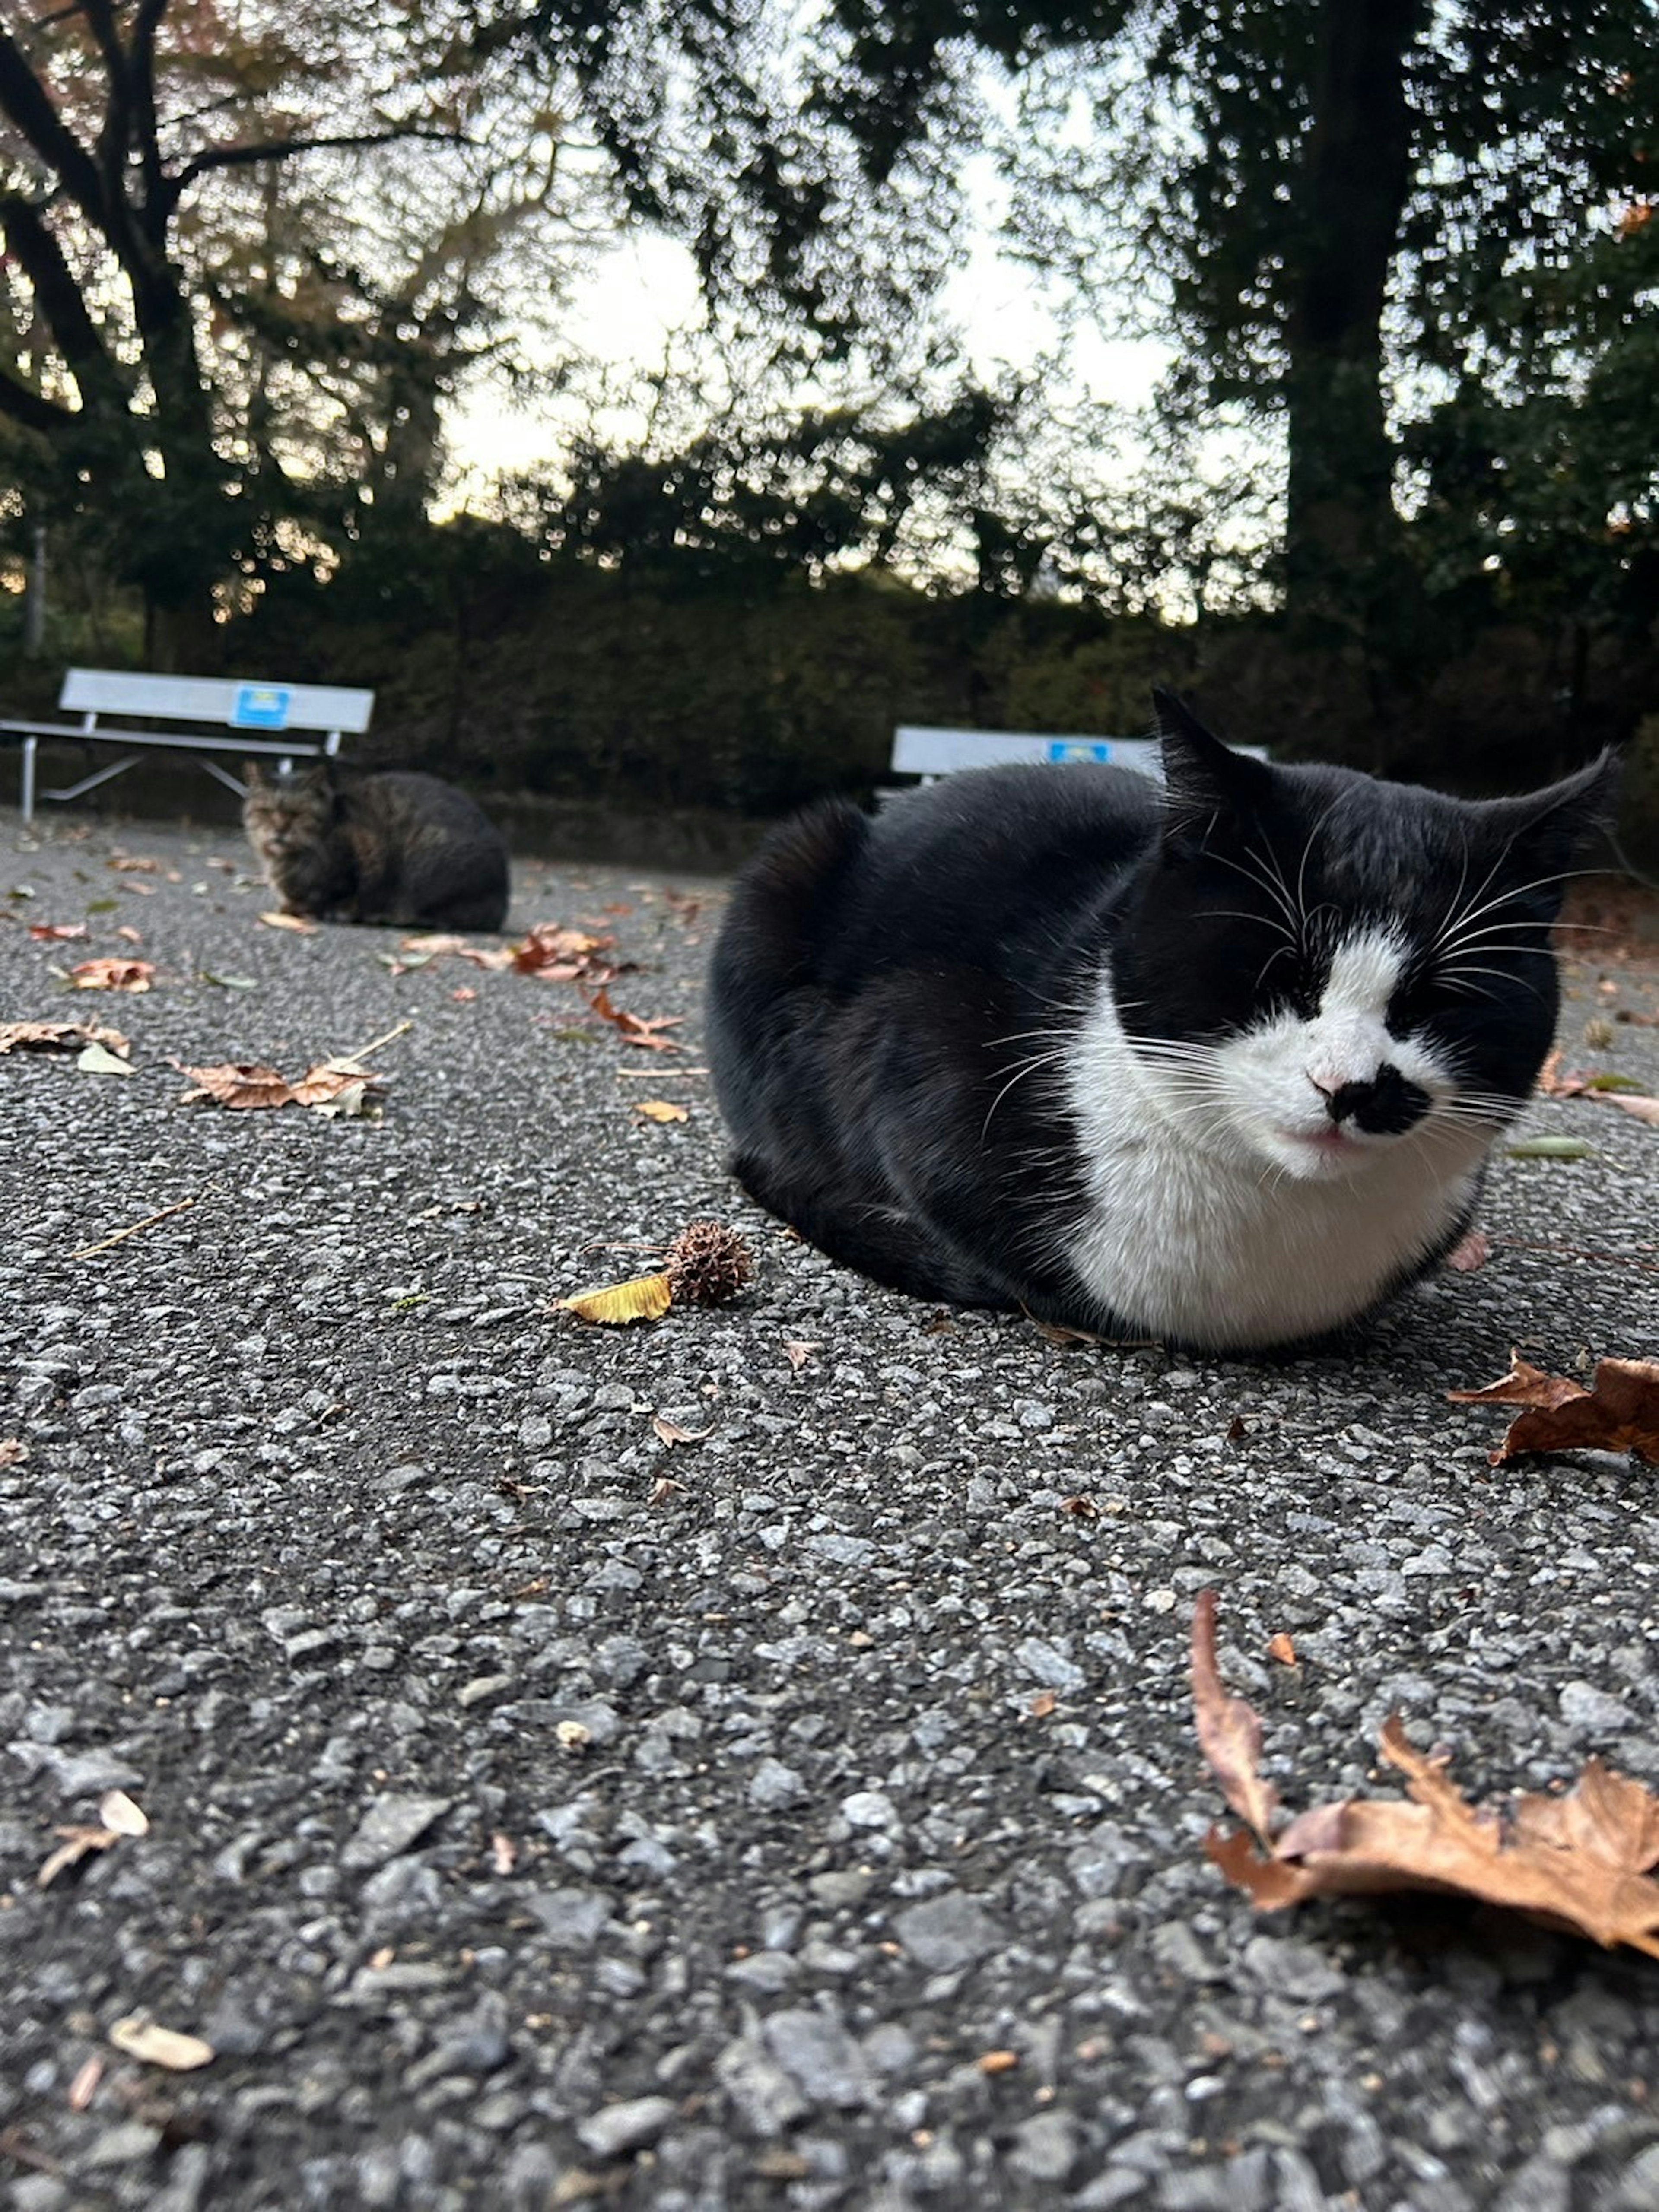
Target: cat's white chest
1191 1232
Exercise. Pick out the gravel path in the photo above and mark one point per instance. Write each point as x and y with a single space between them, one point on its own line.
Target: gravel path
544 1811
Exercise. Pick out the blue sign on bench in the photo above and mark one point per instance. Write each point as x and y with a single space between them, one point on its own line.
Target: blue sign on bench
261 706
1079 748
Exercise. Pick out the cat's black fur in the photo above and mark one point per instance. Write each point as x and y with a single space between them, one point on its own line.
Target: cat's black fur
392 846
885 991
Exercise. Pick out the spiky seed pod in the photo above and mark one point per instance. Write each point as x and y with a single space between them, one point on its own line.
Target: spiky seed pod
707 1262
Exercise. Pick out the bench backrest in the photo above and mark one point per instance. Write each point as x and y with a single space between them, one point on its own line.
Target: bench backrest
920 750
220 701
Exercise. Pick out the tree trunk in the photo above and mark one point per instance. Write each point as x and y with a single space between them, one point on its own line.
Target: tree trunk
35 604
1346 577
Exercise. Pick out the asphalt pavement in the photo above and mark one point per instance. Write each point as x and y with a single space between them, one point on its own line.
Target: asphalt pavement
745 1759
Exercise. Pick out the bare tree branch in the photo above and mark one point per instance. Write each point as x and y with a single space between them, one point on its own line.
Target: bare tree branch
22 404
25 101
277 150
57 296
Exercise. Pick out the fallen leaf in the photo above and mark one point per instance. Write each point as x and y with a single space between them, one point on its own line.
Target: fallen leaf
111 974
84 2088
329 1079
1637 1021
130 864
662 1490
229 983
300 924
132 936
797 1353
637 1029
59 932
671 1433
240 1084
647 1297
77 1844
999 2061
465 995
1041 1706
331 1087
98 1060
1644 1110
661 1110
12 1451
572 1735
1580 1860
160 2046
1550 1148
1229 1733
1470 1251
560 955
1082 1507
1280 1647
57 1036
503 1853
1619 1414
117 1810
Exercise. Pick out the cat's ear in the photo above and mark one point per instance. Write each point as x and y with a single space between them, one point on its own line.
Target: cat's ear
1551 826
1205 780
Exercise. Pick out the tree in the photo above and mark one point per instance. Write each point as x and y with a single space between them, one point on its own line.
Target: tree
1335 207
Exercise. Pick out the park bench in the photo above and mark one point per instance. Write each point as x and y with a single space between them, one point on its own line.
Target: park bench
201 715
931 753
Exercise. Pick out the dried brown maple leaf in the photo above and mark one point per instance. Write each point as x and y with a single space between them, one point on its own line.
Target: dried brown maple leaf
1229 1731
556 955
637 1029
1472 1250
1619 1414
57 1036
59 932
331 1086
671 1433
243 1085
111 974
1582 1860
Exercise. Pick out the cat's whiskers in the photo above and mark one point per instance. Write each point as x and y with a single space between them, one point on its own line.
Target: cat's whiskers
1275 886
1055 1055
1510 895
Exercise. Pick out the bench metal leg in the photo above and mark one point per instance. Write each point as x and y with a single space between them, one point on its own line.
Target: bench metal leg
231 783
91 782
29 744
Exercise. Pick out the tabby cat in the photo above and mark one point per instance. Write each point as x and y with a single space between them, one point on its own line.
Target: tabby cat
392 846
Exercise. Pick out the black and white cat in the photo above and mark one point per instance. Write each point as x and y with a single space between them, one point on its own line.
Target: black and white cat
1220 1062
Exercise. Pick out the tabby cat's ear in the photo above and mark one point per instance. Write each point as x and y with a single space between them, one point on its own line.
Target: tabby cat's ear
1204 779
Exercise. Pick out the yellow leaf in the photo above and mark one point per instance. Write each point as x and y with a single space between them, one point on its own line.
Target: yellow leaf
160 2046
647 1298
661 1110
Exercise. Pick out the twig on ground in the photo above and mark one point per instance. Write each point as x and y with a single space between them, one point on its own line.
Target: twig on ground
132 1228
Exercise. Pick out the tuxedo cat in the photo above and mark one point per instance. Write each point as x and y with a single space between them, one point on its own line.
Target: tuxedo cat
1219 1062
391 847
